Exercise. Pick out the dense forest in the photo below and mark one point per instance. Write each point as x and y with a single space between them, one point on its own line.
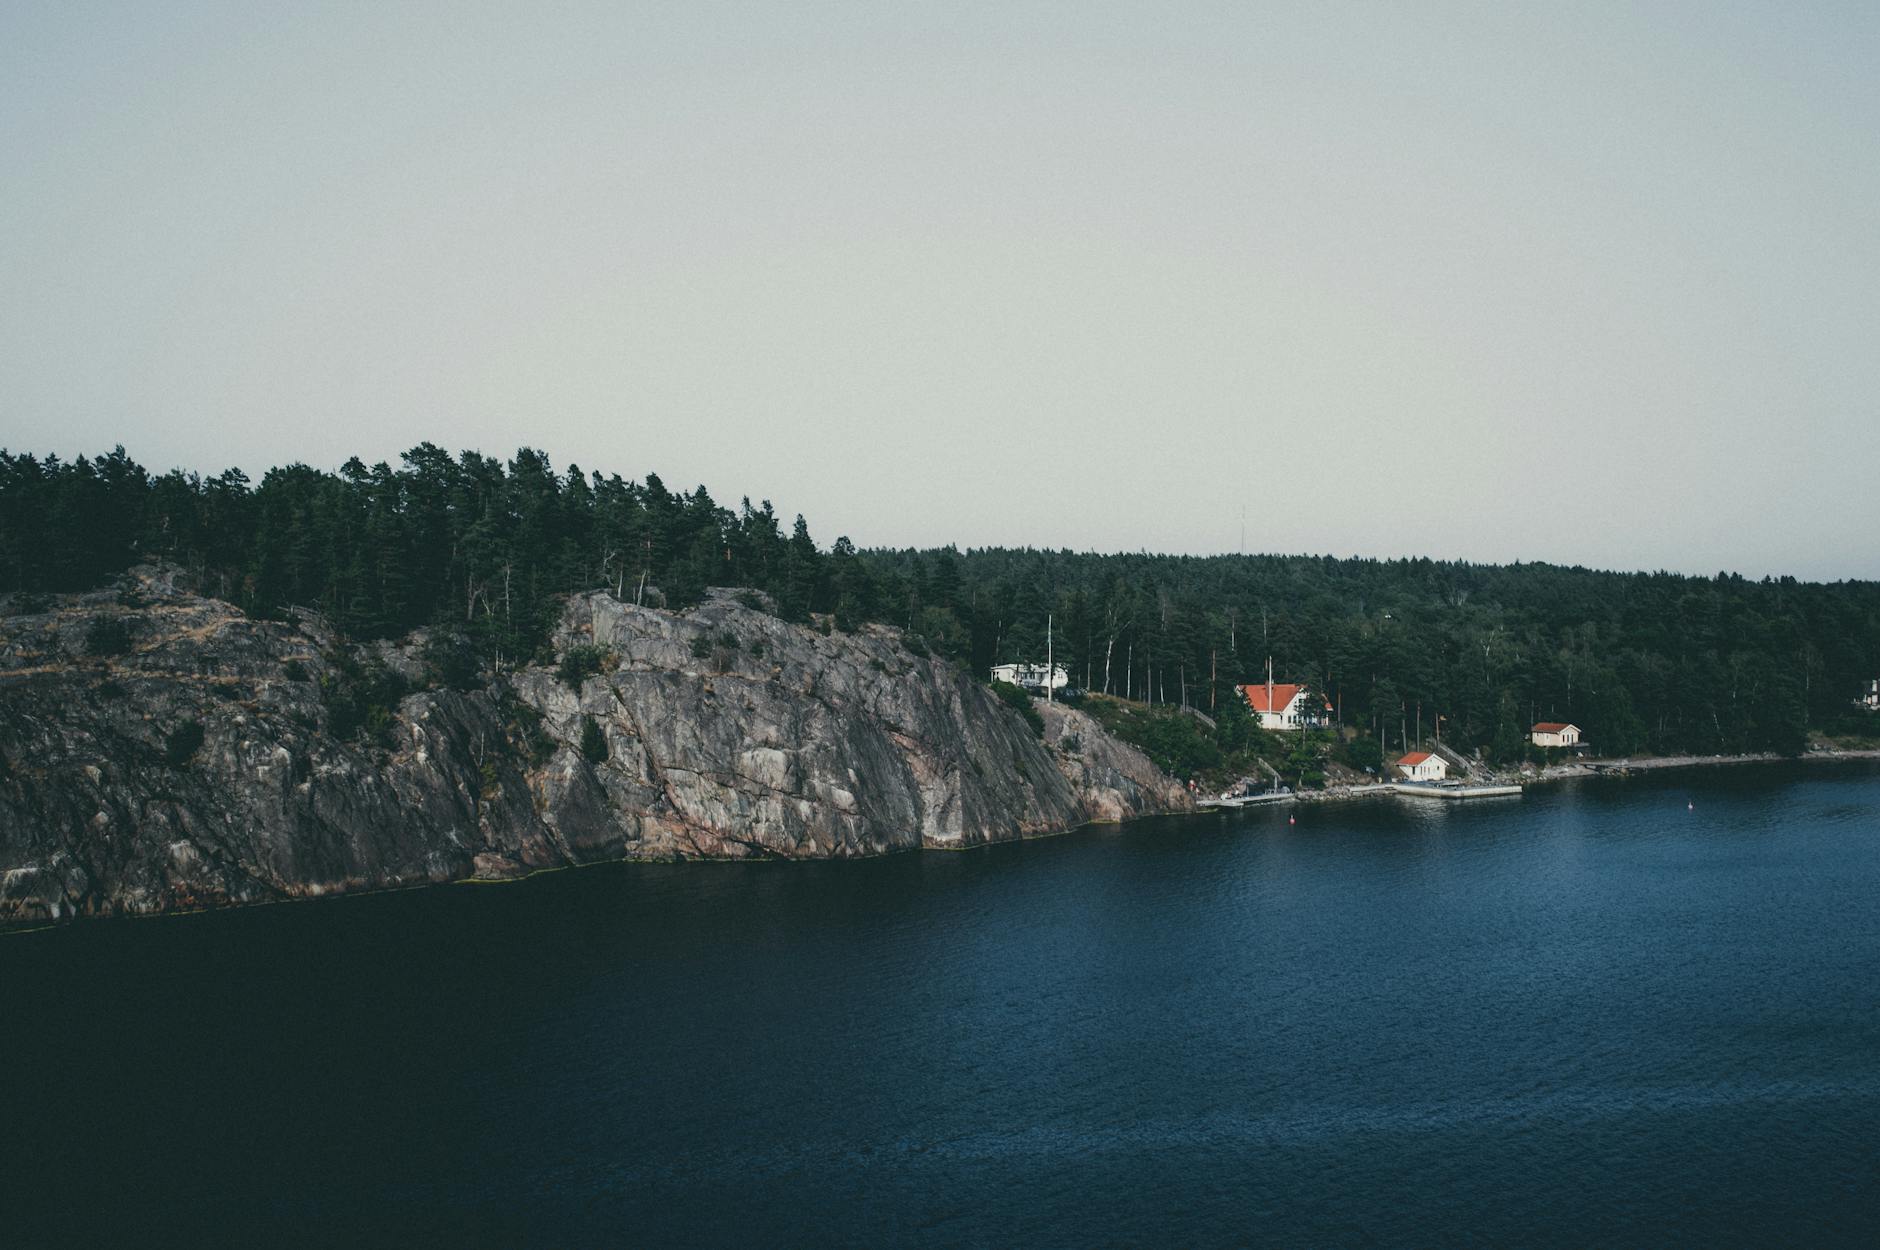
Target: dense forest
1641 661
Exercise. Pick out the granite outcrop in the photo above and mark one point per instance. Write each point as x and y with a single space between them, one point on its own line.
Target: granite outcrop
162 751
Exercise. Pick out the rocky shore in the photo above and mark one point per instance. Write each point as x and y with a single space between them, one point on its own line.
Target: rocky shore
1654 763
161 751
1529 775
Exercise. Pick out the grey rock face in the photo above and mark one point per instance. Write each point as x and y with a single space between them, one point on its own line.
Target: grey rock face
1113 780
727 733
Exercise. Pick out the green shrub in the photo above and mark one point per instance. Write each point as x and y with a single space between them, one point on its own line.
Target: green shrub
701 647
1363 753
294 670
916 644
523 726
1305 756
377 728
757 647
1177 743
1020 702
360 699
107 636
593 741
451 662
182 743
580 663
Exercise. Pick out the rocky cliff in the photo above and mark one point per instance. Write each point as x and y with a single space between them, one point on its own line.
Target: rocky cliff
161 751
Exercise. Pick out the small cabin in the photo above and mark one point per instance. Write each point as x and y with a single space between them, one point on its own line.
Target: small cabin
1423 766
1554 734
1034 678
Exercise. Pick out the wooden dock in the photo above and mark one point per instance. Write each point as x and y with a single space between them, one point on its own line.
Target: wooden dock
1250 800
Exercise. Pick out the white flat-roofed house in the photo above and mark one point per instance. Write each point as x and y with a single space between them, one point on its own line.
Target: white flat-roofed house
1033 677
1554 734
1423 766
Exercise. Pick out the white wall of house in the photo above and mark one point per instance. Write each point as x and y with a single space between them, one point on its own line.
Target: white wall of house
1565 737
1031 675
1431 768
1287 717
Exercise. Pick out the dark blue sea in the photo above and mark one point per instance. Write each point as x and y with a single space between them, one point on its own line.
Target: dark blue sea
1593 1016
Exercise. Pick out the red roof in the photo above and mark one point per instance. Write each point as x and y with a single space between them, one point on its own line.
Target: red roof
1415 757
1283 694
1551 727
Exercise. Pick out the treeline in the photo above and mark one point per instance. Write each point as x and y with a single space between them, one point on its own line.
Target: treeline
1642 661
484 547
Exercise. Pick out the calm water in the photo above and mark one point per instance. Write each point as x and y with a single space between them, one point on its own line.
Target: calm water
1586 1017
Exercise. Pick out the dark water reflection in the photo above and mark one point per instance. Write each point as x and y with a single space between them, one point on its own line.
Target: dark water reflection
1590 1016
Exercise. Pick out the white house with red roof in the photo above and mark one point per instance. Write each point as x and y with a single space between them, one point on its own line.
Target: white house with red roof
1423 766
1285 706
1550 733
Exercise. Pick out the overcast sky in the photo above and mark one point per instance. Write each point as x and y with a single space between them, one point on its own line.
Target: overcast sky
1589 284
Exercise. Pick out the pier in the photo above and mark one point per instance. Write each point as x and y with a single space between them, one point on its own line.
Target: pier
1249 800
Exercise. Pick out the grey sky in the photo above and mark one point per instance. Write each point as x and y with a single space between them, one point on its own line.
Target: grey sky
1580 283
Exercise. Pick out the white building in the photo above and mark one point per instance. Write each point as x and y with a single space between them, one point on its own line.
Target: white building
1554 734
1032 677
1871 700
1422 766
1285 706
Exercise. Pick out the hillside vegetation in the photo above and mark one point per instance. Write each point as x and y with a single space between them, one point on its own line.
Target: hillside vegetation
1641 661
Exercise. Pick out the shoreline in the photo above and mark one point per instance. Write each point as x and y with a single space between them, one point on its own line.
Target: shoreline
88 920
1659 763
1555 773
1372 790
